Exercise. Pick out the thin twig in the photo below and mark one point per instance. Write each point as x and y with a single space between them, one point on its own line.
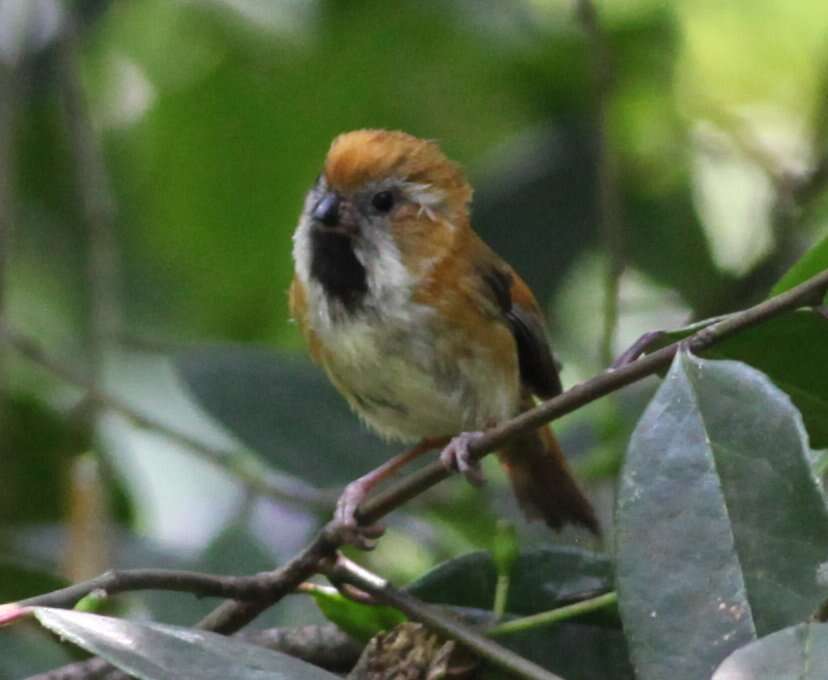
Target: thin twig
349 572
233 615
547 618
601 385
129 580
243 466
609 201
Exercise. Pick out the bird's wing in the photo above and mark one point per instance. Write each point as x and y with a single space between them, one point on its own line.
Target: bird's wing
538 368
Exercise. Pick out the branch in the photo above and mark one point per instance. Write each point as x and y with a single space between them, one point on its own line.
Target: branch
601 385
347 571
609 201
247 468
233 615
128 580
324 645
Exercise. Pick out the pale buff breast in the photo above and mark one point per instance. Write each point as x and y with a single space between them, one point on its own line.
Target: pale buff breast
409 380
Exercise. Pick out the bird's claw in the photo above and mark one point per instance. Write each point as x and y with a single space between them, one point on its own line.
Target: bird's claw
350 531
456 457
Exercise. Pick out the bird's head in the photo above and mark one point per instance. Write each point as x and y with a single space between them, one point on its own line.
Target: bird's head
385 199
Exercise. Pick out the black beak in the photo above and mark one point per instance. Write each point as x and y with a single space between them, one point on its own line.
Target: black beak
326 210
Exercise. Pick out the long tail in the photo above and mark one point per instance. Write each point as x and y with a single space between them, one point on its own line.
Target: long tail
543 483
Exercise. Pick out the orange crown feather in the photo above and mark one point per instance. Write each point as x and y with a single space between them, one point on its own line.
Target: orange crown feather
361 157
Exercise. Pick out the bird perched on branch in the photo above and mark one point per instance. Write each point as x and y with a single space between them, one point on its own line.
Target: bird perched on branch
429 335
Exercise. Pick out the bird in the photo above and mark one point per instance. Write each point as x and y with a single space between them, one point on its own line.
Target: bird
428 334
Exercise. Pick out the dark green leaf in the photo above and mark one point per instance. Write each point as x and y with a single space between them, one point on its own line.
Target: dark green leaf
284 408
152 651
574 651
36 445
360 621
721 525
26 649
19 580
811 264
540 580
668 243
793 351
796 653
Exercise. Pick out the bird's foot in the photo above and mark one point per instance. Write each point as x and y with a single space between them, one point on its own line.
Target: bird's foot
350 531
456 457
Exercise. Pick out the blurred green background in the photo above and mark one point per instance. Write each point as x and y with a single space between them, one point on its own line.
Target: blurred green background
213 119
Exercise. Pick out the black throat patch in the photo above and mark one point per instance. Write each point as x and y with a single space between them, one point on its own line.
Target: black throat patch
335 266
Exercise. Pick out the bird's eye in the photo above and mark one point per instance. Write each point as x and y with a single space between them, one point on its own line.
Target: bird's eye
383 201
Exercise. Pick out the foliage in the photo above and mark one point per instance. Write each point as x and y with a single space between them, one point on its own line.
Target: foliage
213 118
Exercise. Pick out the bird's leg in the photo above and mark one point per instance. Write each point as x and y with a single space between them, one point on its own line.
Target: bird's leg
348 504
456 457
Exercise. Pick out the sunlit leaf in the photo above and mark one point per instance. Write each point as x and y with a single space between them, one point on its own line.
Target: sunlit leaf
721 525
153 651
360 621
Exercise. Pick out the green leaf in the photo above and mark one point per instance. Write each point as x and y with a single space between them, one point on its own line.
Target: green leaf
574 651
36 443
19 580
26 650
796 653
360 621
153 651
793 351
284 408
540 580
812 263
720 523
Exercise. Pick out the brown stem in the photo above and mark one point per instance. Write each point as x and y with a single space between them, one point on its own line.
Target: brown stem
232 615
349 572
128 580
604 383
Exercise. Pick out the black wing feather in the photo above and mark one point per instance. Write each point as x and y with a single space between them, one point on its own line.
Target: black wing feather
538 368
